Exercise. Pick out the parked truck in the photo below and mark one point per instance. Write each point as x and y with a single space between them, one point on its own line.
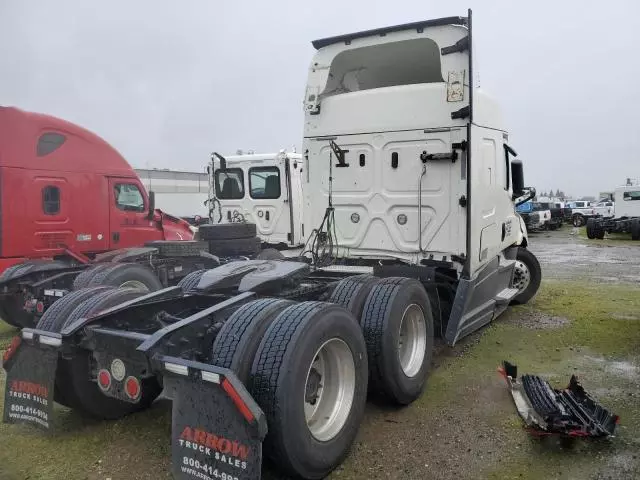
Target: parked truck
265 189
626 217
69 200
409 192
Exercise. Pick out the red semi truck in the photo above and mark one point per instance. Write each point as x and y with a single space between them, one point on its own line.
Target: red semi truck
70 204
65 192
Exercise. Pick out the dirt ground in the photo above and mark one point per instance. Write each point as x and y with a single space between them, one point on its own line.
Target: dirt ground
584 321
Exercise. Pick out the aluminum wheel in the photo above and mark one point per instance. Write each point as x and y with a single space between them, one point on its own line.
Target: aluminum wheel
521 276
412 344
329 389
136 285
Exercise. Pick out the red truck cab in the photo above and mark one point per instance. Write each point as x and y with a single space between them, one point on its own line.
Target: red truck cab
65 191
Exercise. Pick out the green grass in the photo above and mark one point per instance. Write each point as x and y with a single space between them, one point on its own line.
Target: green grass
604 326
7 332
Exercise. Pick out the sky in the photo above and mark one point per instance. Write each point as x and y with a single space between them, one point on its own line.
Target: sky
168 82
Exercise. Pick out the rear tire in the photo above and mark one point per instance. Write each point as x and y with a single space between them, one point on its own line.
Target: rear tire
127 275
578 220
397 323
190 281
226 231
238 340
527 276
309 376
75 375
352 292
591 223
83 279
635 229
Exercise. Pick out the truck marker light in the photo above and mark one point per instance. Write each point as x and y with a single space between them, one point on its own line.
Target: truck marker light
54 342
11 349
40 308
235 396
132 388
118 370
175 368
104 379
210 377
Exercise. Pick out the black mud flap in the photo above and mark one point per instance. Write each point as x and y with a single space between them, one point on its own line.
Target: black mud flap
567 412
217 428
31 372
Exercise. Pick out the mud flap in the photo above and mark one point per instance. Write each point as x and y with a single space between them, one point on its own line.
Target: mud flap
29 391
217 428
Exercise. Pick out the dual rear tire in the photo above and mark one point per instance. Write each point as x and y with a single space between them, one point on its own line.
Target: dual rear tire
310 365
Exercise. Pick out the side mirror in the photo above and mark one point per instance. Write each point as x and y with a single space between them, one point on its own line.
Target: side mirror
152 204
517 178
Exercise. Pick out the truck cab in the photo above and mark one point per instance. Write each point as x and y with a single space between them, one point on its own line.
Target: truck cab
265 189
64 191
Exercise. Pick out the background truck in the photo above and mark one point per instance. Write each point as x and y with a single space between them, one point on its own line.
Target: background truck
626 218
67 200
265 189
535 216
556 213
414 235
581 211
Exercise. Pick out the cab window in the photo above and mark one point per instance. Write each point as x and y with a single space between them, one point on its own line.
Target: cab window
229 184
629 196
264 182
128 197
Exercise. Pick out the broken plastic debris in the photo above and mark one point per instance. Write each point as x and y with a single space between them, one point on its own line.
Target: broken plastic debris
547 411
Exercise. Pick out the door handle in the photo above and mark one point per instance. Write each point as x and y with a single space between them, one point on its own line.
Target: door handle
266 215
116 237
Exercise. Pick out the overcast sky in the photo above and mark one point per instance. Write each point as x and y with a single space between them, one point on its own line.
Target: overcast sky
167 82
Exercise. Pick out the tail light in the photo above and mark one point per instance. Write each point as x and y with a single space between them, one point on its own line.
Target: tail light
132 388
104 379
11 349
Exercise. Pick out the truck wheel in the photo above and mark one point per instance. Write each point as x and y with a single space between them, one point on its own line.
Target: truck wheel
83 279
190 281
635 229
8 273
578 220
238 340
591 223
75 375
231 248
127 275
184 248
270 254
526 277
352 292
397 323
309 376
52 321
227 231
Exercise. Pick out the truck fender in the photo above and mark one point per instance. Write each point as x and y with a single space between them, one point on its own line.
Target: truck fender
522 237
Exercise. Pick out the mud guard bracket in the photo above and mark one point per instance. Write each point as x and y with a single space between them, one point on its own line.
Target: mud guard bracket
217 428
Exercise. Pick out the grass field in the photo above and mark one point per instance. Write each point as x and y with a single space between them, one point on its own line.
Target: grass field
464 425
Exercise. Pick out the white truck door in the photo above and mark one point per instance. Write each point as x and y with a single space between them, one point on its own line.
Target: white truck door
268 203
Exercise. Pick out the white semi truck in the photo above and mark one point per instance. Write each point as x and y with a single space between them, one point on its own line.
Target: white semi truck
260 188
408 177
626 217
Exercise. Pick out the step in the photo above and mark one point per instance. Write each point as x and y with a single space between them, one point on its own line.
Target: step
506 295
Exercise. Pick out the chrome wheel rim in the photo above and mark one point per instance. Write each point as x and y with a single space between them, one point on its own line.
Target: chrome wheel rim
135 284
412 343
521 276
329 389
